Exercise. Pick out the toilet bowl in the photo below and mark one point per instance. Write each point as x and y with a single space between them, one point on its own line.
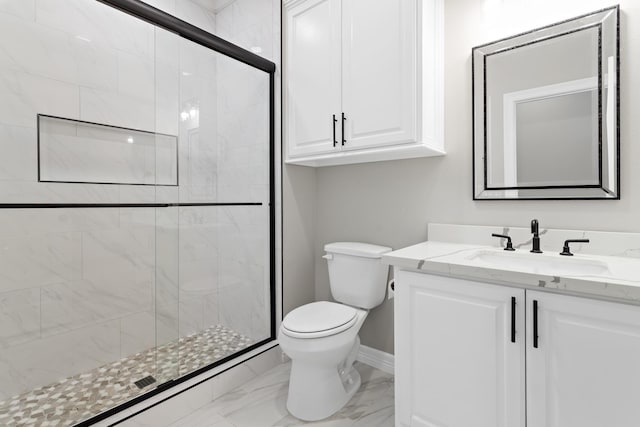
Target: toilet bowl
321 338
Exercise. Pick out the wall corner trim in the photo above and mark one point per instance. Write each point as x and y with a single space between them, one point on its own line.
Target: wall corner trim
377 359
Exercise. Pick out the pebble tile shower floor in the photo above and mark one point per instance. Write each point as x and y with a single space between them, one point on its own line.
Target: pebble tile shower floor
82 396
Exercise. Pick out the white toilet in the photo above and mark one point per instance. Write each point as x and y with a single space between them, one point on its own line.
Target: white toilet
321 338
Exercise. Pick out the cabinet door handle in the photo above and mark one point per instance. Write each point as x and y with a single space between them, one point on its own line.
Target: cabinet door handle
535 324
344 119
335 141
513 319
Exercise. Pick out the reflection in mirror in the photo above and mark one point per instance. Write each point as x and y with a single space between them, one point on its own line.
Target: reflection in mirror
546 112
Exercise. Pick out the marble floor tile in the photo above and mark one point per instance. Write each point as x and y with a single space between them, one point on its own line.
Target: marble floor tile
261 402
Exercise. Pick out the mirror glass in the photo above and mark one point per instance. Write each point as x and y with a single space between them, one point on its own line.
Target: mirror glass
546 112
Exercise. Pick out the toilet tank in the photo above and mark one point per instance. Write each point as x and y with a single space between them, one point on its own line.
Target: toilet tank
356 273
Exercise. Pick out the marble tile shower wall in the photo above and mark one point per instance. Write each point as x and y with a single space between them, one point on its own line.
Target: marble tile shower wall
241 147
76 291
76 285
70 59
75 59
231 244
252 24
80 288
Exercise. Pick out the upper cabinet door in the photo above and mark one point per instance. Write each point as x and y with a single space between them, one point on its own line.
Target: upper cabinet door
584 371
459 353
312 76
379 72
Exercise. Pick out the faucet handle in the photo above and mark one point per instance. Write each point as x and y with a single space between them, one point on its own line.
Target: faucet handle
565 249
509 246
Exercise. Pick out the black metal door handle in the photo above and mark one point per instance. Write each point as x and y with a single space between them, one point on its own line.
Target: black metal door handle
344 119
535 324
335 142
513 319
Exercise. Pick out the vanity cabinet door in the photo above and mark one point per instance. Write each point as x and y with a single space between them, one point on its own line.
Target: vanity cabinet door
379 72
312 77
585 370
456 364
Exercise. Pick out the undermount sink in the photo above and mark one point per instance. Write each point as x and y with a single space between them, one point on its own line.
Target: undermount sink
548 264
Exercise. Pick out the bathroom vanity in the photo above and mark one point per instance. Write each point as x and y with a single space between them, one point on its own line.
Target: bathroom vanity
487 337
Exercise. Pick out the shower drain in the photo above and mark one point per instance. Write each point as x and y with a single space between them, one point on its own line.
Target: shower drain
145 381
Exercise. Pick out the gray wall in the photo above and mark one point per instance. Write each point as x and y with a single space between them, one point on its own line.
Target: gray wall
299 221
391 202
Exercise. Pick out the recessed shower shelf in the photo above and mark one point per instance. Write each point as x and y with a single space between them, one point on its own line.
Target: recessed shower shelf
74 151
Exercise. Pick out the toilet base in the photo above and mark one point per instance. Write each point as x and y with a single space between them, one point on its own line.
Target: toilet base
322 378
320 393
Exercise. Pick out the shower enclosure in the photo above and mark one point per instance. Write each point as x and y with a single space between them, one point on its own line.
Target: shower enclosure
136 206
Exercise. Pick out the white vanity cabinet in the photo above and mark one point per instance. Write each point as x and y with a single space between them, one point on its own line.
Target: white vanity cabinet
585 370
362 80
457 365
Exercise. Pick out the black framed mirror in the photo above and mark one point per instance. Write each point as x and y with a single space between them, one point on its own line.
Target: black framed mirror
546 112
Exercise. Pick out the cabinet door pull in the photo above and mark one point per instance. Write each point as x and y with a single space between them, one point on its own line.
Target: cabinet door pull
535 324
344 119
513 319
335 141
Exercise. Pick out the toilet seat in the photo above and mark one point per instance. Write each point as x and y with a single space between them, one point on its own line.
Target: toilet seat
319 319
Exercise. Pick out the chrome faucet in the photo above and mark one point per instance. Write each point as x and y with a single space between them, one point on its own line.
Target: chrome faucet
536 237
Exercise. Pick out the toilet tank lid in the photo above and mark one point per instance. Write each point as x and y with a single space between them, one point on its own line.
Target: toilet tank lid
365 250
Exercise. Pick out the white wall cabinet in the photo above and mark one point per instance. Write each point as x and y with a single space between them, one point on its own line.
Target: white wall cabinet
458 364
363 80
313 70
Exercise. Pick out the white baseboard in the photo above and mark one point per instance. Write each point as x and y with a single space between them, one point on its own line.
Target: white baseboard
377 359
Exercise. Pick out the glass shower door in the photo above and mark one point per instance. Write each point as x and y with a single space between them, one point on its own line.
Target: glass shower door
136 217
223 203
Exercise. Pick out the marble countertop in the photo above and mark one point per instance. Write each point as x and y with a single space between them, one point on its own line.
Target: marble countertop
620 283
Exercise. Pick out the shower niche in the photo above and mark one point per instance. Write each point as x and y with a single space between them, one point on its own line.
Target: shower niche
82 152
136 207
